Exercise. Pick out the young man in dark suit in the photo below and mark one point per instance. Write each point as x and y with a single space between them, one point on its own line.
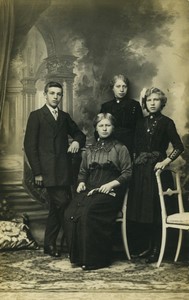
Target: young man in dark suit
49 154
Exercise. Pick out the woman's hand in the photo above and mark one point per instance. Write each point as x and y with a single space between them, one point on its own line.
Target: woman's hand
162 164
81 187
105 188
108 187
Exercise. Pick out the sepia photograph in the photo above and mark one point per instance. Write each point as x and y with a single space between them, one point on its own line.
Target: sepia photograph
94 149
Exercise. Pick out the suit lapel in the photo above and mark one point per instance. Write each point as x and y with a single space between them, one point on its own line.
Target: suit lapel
59 122
57 125
48 116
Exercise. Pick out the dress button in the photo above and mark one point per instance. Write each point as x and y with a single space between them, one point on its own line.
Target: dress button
71 217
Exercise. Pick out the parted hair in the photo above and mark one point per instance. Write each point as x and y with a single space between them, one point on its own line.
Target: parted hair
52 84
102 116
116 77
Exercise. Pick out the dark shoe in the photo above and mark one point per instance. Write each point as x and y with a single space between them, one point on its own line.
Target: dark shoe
75 265
95 267
52 251
153 256
142 254
145 253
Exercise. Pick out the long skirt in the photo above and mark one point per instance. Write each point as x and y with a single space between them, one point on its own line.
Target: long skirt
89 225
143 200
143 209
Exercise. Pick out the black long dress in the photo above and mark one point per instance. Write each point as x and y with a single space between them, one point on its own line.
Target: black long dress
89 220
126 112
153 135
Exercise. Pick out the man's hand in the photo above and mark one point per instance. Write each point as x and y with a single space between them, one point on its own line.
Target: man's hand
81 187
74 147
39 180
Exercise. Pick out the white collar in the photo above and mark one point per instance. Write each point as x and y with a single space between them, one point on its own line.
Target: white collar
51 108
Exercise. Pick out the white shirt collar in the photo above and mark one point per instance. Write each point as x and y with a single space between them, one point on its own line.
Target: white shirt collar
51 108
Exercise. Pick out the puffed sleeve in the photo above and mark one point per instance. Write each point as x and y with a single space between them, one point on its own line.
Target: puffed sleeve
103 108
83 172
138 113
175 140
125 165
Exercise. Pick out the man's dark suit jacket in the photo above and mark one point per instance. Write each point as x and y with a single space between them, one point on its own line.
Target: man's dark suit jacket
46 145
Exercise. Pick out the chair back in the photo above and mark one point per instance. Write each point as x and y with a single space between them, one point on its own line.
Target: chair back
169 187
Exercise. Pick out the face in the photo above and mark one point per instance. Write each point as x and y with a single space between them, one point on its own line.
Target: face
104 128
53 96
153 103
120 89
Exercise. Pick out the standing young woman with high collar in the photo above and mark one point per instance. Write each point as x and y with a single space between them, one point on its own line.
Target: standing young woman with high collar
126 111
153 135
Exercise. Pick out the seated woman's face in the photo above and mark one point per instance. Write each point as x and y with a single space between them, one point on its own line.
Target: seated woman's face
120 89
104 128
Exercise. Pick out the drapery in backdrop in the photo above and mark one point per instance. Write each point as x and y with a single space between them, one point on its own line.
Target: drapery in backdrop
6 40
16 19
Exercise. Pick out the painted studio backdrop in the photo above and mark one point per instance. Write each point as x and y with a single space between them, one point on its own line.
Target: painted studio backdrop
82 43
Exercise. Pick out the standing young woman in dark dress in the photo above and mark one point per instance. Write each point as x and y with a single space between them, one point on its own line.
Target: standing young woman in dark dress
125 110
90 218
152 138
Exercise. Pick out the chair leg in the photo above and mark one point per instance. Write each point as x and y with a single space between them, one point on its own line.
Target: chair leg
179 244
124 237
162 249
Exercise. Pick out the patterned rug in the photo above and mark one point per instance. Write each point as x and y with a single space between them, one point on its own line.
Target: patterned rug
32 270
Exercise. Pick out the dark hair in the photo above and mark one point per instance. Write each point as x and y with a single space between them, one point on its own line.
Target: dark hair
150 91
52 84
102 116
120 76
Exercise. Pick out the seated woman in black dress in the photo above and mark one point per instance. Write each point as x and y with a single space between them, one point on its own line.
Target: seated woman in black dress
90 218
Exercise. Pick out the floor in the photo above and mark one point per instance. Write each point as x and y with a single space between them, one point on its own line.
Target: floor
93 296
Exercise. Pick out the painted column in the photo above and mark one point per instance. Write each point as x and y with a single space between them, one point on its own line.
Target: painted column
13 118
28 93
60 69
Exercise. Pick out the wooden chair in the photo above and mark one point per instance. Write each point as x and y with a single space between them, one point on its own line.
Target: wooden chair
179 220
122 219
